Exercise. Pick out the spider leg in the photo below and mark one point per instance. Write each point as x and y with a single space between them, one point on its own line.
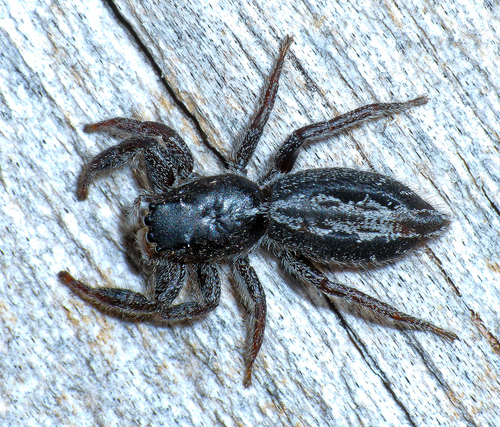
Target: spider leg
168 280
123 302
165 154
287 154
254 299
254 132
303 269
111 159
133 304
208 280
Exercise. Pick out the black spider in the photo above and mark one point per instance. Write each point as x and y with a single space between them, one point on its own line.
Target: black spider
311 217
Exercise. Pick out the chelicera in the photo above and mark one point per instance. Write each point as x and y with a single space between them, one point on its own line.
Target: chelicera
307 219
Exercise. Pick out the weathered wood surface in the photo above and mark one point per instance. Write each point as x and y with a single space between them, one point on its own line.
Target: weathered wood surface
200 69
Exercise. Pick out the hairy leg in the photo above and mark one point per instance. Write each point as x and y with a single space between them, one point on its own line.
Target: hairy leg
109 160
168 281
133 304
208 281
254 132
287 154
254 300
165 154
304 270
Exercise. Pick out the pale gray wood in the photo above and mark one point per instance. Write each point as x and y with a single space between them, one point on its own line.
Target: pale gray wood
66 64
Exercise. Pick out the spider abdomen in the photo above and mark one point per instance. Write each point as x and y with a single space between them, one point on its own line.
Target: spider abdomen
348 216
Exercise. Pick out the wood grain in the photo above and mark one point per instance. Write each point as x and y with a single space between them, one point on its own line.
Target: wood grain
200 68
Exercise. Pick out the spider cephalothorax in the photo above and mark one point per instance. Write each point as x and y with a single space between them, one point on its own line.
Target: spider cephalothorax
307 218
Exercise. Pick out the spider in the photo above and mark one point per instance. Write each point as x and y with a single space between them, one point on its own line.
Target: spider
307 219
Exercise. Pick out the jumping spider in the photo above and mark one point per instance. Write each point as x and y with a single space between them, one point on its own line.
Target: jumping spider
308 218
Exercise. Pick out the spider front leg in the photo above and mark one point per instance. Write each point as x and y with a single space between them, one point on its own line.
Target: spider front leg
287 154
166 156
254 299
302 269
125 302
